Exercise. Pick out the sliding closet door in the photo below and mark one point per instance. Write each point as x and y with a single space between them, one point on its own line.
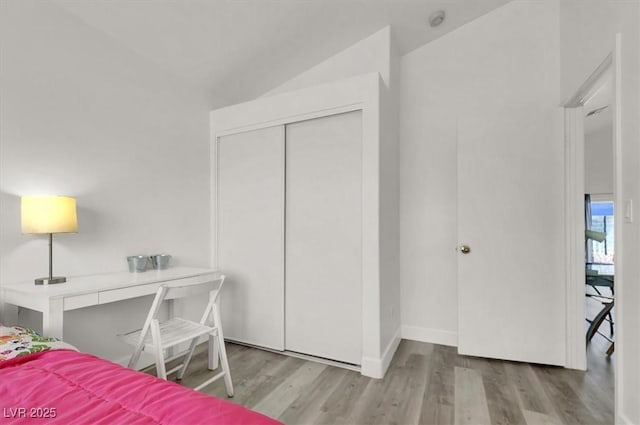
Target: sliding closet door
323 207
250 231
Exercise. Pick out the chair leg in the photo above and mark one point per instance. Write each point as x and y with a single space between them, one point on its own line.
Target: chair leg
222 350
597 321
610 324
611 349
225 365
187 359
160 367
135 356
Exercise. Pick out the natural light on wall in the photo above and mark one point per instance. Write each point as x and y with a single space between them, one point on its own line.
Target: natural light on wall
602 220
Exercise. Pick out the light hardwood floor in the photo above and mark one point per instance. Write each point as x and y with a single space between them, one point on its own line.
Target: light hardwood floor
426 384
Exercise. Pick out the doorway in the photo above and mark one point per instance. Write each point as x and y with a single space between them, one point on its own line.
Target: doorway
599 224
592 167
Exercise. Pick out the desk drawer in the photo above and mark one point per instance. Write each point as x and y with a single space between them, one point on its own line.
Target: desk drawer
149 288
80 301
128 293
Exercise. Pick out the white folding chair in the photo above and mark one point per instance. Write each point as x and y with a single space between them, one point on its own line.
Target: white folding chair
156 336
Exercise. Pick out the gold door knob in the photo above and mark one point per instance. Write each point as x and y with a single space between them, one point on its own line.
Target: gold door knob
465 249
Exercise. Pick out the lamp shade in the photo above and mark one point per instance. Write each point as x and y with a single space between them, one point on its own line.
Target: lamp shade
48 214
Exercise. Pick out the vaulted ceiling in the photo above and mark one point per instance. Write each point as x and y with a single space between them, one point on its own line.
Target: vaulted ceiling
239 49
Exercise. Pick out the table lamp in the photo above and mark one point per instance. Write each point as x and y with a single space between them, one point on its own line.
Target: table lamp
49 215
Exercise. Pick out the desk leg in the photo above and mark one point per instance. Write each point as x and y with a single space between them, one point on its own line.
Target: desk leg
9 314
213 353
52 323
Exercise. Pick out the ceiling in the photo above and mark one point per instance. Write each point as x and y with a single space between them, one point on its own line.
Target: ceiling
238 49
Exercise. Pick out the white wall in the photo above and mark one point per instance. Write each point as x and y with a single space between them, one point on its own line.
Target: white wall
506 58
82 116
598 161
368 55
390 210
588 30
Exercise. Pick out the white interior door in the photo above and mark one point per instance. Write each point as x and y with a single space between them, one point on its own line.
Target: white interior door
323 271
511 291
250 231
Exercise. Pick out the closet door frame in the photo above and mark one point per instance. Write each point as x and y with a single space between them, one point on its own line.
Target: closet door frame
358 93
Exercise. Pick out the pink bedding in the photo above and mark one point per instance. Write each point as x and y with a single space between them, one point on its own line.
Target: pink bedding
67 387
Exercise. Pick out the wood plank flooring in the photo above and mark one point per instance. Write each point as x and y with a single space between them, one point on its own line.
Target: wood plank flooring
426 384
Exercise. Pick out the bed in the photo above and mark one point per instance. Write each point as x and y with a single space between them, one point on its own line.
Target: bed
43 380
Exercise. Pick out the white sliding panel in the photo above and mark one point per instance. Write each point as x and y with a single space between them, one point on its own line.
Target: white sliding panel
323 271
250 228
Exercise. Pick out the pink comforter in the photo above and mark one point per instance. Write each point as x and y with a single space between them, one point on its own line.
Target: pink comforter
67 387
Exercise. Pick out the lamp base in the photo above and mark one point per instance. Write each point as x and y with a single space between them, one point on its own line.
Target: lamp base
50 280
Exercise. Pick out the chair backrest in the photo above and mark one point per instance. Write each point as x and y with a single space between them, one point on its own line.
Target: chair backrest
178 290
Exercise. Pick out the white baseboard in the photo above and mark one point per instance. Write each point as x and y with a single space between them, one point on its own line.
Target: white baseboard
387 356
624 420
377 367
433 336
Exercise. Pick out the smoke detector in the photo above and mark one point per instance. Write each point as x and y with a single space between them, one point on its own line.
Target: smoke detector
436 18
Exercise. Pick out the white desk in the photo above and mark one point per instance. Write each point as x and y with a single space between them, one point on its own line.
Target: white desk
85 291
